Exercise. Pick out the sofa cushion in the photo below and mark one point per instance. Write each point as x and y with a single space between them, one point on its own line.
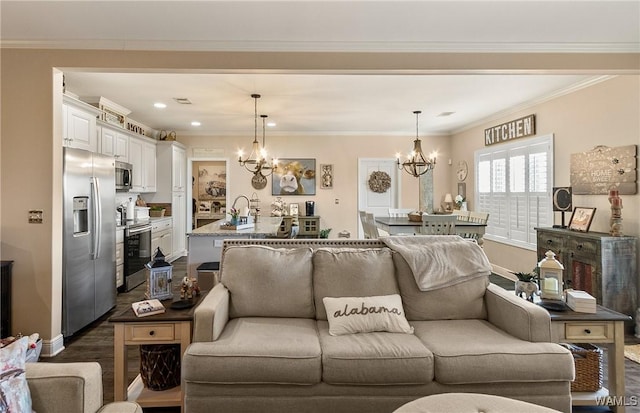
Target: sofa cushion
374 358
268 282
351 272
460 301
348 315
475 351
258 350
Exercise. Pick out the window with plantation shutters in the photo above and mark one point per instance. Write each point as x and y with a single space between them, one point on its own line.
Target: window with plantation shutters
514 184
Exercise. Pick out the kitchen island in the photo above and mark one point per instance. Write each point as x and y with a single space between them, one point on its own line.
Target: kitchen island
205 243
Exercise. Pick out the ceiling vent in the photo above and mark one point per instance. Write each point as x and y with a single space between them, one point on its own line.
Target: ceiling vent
182 101
444 114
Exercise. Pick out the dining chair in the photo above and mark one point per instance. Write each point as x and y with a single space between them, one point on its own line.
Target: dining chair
368 225
372 228
399 212
479 217
461 215
438 224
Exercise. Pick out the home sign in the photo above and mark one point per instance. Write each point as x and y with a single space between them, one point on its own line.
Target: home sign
514 129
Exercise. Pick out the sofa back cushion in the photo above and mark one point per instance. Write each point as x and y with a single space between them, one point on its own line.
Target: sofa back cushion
268 282
351 272
464 300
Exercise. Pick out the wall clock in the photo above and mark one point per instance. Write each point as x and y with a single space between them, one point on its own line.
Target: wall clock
462 171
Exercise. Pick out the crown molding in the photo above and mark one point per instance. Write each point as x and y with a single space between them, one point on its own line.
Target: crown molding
311 46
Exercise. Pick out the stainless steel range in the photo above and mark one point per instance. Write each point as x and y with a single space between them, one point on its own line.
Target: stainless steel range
137 253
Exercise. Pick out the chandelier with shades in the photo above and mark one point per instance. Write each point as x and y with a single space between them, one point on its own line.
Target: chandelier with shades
256 162
416 163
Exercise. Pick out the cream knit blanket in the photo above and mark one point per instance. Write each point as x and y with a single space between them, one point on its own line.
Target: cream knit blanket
439 261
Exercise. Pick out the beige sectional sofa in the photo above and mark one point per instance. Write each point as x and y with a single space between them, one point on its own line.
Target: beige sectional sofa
261 337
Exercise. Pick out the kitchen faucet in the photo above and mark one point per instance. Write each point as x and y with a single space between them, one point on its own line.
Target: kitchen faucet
236 200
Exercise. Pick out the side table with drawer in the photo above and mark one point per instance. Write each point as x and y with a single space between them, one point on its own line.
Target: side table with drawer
603 328
172 327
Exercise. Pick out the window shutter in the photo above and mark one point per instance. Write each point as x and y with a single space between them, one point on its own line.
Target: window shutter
514 185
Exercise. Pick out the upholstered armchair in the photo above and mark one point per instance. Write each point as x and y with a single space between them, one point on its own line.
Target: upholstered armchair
71 388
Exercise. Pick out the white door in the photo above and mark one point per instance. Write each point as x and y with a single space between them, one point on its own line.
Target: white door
377 202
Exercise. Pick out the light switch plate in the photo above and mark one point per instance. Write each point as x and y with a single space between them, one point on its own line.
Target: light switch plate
35 216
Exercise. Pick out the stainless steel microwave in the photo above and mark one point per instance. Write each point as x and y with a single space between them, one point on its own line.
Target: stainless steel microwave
124 176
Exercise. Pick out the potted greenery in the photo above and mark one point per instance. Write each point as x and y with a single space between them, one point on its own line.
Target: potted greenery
526 284
324 233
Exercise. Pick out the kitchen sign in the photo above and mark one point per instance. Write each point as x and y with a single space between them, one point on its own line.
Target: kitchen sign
514 129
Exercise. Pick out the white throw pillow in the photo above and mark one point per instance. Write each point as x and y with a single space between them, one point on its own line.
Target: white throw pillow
348 315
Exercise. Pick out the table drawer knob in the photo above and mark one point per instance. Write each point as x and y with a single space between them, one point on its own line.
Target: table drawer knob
587 331
152 332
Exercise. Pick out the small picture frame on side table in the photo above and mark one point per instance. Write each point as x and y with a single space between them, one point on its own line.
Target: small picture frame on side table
293 209
581 219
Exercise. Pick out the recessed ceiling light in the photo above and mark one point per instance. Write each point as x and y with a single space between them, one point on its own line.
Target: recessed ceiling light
195 123
182 101
271 124
443 114
159 105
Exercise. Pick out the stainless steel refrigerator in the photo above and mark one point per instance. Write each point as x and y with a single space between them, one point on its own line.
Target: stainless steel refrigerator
89 286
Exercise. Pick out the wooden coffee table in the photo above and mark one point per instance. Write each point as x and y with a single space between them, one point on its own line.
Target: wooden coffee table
605 327
171 327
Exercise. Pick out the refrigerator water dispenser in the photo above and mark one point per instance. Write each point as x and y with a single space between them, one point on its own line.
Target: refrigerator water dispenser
80 215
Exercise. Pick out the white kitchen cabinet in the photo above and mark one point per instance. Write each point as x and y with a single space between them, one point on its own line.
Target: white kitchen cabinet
171 188
179 168
79 124
119 257
113 142
162 237
178 207
149 156
142 156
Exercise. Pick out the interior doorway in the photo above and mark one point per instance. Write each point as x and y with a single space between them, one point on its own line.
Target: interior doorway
382 197
208 191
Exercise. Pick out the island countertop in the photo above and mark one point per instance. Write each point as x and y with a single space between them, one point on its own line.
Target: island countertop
265 226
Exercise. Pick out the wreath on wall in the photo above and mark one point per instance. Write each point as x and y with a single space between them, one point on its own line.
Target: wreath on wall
379 181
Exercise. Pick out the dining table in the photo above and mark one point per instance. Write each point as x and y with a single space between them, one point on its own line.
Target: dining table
404 226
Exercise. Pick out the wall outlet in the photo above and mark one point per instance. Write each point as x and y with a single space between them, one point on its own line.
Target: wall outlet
35 216
337 201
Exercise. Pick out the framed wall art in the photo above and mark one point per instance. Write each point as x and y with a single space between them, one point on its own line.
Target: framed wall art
326 176
294 176
581 219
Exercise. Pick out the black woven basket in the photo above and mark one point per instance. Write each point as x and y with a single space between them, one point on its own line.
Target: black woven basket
160 366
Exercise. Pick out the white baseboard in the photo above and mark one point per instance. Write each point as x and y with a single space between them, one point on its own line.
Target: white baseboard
52 347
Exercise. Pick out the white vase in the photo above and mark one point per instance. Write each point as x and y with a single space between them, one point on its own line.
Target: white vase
463 207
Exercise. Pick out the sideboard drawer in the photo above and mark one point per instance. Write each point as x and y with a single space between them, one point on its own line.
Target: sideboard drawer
149 333
583 246
587 331
551 242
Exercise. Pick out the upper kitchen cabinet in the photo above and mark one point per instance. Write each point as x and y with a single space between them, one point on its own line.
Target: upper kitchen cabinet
179 168
142 156
79 125
172 183
112 142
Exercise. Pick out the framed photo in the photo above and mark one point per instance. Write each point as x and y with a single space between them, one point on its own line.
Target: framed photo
581 219
294 176
326 176
293 209
462 189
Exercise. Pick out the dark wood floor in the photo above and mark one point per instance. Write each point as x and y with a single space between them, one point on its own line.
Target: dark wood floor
95 343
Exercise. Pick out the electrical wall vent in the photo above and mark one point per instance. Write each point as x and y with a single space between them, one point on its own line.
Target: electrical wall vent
182 101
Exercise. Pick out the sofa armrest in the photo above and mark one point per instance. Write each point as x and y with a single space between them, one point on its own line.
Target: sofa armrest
518 317
211 315
65 387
